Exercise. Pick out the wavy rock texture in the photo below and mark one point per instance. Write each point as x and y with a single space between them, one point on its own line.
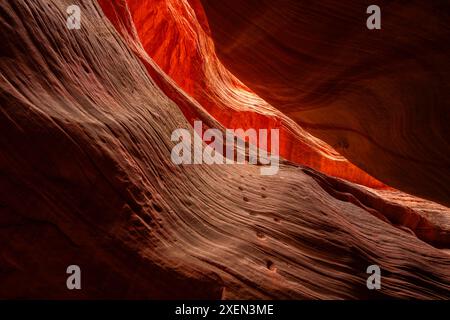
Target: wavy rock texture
86 178
176 35
379 97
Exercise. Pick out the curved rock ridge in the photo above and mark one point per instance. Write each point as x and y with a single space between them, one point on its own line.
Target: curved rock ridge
421 222
86 178
380 97
176 35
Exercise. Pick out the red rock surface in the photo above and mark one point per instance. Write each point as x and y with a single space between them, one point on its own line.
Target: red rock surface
176 35
86 178
379 97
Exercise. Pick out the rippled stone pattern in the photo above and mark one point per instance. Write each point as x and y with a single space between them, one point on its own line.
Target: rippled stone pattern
86 178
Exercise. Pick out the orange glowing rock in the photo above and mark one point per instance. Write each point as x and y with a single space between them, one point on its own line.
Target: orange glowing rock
177 36
86 178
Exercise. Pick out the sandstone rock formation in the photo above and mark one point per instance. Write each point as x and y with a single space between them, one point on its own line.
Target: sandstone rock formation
176 35
86 178
379 97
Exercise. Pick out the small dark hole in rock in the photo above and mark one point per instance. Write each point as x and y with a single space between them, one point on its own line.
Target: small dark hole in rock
157 207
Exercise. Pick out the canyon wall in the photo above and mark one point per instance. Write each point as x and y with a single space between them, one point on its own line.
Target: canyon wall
379 97
86 178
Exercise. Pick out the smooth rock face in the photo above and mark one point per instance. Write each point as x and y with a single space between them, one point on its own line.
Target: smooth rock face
380 97
86 178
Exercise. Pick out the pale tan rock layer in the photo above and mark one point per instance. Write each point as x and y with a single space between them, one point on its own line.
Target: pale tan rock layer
380 97
86 178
